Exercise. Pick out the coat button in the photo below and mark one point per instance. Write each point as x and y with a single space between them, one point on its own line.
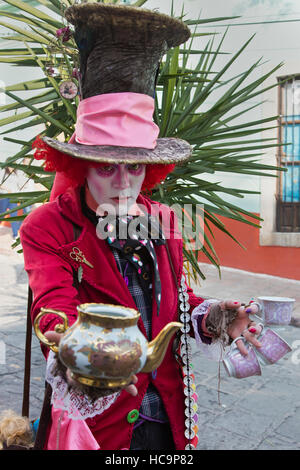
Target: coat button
132 416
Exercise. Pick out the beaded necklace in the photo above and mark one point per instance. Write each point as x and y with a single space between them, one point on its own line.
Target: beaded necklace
191 407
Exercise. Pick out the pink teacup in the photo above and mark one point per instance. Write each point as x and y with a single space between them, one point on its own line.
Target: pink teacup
239 366
276 310
273 347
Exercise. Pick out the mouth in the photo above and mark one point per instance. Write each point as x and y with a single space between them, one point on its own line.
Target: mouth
120 200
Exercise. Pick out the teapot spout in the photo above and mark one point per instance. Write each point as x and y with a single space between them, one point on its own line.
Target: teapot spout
157 348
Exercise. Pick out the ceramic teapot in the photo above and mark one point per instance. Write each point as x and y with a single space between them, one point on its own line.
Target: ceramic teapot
105 347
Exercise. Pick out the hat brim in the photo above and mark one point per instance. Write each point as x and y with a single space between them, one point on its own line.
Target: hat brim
168 150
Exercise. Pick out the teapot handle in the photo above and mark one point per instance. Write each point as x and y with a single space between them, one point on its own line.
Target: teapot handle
58 328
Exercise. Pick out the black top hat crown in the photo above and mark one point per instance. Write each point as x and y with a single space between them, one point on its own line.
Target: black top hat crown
120 50
121 47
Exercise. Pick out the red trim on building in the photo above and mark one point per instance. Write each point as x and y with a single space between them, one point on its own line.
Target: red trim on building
273 260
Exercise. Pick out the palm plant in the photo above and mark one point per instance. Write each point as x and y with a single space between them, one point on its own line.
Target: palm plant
182 93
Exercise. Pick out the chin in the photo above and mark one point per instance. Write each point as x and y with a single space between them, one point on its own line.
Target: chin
123 209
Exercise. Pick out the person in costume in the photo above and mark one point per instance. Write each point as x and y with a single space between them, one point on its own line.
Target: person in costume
114 159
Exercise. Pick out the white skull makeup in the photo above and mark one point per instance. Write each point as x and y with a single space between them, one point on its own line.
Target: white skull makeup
115 188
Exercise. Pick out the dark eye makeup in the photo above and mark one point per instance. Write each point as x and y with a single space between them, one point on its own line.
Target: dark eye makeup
108 169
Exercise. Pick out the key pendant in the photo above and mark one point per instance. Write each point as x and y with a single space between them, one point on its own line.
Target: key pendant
80 273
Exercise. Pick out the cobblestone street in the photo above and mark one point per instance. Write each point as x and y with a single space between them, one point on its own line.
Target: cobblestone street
254 413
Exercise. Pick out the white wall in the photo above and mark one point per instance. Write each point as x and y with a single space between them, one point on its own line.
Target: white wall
275 42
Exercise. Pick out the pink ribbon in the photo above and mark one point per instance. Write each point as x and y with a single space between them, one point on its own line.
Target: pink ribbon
118 119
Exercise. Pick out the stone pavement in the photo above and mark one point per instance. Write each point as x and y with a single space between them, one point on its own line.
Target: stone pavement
254 413
260 412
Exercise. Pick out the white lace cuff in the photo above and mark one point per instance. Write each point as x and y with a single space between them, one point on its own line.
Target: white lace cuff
75 403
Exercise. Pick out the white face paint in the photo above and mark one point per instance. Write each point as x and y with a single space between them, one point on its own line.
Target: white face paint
115 188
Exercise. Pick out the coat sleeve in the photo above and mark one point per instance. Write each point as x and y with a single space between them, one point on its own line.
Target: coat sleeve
50 276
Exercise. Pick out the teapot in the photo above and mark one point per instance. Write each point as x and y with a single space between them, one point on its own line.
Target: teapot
105 347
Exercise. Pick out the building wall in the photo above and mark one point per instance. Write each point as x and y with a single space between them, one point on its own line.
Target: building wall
273 260
275 24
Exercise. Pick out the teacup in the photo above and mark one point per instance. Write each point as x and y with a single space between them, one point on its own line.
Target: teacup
239 366
276 310
273 347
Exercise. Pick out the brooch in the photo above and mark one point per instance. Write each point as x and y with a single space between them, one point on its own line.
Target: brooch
78 256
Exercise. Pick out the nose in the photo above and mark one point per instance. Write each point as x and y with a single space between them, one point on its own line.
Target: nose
121 179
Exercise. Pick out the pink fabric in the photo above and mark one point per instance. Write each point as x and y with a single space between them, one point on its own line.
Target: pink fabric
119 119
69 434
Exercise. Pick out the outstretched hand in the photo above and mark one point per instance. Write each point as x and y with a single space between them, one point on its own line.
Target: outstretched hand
56 337
242 325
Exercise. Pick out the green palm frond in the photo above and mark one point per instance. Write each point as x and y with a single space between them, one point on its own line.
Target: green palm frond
196 100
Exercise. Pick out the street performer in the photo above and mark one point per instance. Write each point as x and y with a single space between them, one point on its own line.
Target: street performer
109 167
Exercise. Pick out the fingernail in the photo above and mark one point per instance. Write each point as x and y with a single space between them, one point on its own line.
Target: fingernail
252 330
236 302
248 310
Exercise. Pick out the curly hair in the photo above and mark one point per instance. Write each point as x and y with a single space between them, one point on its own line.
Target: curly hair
76 168
14 430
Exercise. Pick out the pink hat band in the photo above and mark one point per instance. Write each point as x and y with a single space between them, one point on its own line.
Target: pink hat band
117 119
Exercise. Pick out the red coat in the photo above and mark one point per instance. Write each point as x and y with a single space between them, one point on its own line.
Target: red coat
47 238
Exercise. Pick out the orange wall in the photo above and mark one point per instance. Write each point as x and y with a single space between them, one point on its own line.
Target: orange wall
274 260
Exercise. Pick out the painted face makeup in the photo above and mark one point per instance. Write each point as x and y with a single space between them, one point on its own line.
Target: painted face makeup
115 188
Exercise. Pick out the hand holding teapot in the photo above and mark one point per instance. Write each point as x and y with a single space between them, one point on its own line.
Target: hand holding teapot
104 348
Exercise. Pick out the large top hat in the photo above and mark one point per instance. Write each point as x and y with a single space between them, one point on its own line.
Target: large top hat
120 49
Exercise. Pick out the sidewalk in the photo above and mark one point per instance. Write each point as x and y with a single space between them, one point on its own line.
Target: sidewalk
261 413
13 306
255 413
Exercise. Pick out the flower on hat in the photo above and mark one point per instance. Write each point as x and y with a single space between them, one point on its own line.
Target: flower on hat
64 33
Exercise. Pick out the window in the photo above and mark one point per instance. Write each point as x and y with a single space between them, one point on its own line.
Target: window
288 190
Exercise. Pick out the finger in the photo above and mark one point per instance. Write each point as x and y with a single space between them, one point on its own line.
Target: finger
255 329
53 336
232 304
242 348
70 380
254 341
132 390
250 337
134 379
251 308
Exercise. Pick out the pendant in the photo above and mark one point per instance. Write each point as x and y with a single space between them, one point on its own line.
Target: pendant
68 89
80 273
77 255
